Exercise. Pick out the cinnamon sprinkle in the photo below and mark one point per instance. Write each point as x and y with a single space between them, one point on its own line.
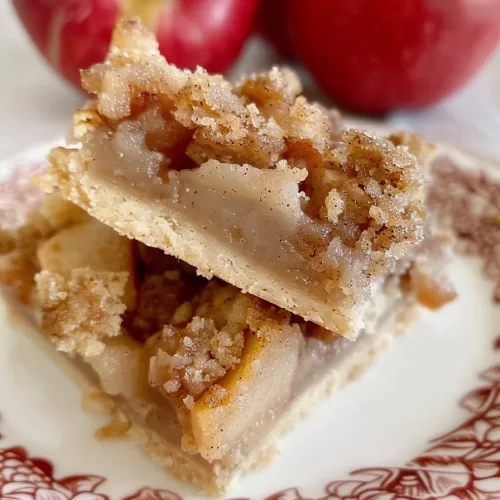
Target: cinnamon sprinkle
468 203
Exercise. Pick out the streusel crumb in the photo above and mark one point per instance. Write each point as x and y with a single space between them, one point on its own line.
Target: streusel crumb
191 362
422 149
191 358
80 311
43 216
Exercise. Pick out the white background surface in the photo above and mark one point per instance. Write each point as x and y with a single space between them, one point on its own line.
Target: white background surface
36 105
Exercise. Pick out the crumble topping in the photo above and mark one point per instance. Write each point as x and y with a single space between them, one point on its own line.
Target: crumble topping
189 359
24 223
203 341
422 149
364 195
79 311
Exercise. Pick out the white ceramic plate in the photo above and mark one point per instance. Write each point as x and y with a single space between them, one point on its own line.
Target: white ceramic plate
422 423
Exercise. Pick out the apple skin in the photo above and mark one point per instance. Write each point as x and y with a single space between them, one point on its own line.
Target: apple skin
74 34
377 56
272 25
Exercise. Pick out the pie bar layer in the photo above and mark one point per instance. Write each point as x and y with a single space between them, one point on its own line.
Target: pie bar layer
204 377
249 183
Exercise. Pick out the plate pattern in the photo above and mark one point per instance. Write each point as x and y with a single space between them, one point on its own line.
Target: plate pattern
463 464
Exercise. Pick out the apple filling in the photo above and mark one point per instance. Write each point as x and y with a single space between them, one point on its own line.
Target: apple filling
204 377
250 183
209 370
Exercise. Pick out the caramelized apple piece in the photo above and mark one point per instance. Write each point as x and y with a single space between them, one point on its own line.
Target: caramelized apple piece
263 376
431 292
427 279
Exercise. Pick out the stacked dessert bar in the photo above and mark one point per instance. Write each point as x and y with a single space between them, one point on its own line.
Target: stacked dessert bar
219 257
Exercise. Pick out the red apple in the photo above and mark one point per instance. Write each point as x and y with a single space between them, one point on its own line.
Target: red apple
380 55
74 34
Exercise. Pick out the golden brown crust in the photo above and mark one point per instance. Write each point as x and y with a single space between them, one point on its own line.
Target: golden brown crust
82 310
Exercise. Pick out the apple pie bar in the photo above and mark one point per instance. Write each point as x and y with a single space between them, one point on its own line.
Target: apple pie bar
216 258
249 183
204 377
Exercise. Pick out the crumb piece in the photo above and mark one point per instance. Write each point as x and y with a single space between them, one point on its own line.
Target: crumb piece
95 400
117 428
189 402
182 314
216 396
191 359
85 120
417 146
334 205
80 311
271 93
188 361
171 386
44 219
